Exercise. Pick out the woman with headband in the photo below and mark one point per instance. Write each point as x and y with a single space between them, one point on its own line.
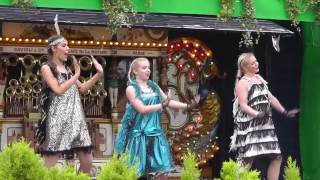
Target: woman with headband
254 135
63 127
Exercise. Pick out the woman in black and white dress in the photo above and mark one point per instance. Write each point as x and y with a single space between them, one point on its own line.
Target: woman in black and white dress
254 134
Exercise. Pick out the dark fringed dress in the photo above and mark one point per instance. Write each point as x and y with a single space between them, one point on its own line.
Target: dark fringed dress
254 136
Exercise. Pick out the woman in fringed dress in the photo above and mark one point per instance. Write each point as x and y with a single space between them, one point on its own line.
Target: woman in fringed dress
62 127
254 134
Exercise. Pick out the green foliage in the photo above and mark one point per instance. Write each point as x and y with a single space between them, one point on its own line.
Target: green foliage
226 10
291 171
314 5
293 10
118 13
19 161
231 171
24 4
68 172
119 169
249 23
190 170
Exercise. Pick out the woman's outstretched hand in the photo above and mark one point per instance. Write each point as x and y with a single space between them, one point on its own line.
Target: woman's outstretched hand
194 102
97 65
292 113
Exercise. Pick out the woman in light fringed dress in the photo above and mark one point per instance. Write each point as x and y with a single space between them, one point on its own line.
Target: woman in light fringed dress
254 134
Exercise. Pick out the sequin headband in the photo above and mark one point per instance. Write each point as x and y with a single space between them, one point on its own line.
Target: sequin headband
56 42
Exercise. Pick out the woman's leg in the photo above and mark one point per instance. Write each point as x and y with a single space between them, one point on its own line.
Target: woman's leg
50 160
85 162
274 168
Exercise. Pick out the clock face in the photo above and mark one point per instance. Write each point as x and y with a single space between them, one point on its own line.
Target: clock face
180 89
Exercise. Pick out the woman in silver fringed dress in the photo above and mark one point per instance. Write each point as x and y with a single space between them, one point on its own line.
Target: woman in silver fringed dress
254 134
62 127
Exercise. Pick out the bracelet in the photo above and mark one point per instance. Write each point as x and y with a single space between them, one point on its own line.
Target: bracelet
285 113
162 105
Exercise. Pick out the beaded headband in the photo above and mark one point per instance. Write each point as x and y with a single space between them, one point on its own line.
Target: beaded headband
56 42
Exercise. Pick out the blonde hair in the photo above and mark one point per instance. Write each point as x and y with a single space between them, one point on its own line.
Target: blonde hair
131 75
242 61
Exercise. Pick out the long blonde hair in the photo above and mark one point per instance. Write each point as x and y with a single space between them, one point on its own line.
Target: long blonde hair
131 75
242 61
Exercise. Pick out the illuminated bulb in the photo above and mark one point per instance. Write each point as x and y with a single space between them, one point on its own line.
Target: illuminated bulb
104 43
148 44
129 44
159 44
26 40
123 43
185 42
198 63
171 46
135 44
154 44
111 43
165 45
78 42
33 40
98 42
0 38
193 55
91 42
208 54
39 40
85 42
141 44
116 43
13 39
46 40
7 39
197 45
72 42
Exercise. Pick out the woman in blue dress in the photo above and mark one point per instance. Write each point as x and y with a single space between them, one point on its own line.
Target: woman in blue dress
141 133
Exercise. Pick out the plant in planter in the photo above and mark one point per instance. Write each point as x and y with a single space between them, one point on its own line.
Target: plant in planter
291 171
67 172
24 4
190 170
119 169
19 161
231 170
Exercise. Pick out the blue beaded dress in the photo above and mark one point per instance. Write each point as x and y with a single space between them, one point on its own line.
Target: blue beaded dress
142 135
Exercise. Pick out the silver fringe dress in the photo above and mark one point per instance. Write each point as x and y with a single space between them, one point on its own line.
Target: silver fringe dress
254 136
66 128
